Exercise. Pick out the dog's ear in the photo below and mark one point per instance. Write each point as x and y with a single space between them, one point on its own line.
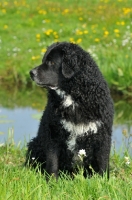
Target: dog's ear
69 65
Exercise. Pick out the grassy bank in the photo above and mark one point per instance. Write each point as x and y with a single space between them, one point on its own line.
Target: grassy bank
20 183
102 27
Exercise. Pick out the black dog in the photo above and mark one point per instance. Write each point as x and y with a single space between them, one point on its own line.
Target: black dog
76 126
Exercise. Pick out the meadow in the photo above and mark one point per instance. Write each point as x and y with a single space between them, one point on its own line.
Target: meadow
101 27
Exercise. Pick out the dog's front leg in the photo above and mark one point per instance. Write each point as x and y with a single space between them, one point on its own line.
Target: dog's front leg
52 161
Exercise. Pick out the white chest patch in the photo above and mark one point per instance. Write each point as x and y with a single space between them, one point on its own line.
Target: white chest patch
67 99
68 102
79 130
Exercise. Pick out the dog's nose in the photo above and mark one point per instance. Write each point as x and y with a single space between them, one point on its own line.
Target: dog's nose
32 74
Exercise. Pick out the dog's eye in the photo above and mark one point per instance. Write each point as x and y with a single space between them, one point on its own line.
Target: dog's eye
50 62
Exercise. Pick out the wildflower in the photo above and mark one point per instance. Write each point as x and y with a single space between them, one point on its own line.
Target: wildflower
80 18
48 32
116 31
4 11
33 158
72 40
38 36
127 161
79 41
85 32
5 26
122 23
35 57
65 11
78 32
106 33
42 12
126 10
82 154
43 50
97 40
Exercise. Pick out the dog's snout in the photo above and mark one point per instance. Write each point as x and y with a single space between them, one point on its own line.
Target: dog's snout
32 74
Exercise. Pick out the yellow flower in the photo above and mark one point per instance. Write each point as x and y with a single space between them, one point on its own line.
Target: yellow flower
55 34
97 40
80 18
85 32
35 57
122 23
126 10
4 11
5 26
78 32
79 41
38 36
106 33
48 32
72 40
43 50
116 30
65 11
42 12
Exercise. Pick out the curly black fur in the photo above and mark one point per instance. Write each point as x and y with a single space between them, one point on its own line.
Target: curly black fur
78 115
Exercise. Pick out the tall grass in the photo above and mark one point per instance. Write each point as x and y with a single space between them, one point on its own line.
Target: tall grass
102 27
21 183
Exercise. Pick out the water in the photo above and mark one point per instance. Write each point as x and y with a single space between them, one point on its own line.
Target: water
25 122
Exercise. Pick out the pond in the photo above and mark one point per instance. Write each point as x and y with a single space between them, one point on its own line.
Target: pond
21 111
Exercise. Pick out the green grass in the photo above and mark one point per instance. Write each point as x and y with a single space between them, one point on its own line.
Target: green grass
102 27
18 182
22 183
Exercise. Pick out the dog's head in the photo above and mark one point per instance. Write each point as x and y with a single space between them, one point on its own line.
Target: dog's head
59 62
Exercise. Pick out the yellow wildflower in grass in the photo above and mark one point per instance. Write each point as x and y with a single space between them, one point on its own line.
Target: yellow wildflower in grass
38 36
72 40
97 40
46 21
65 11
126 11
85 32
116 30
48 32
55 35
80 18
78 32
79 41
35 57
106 33
122 23
43 12
5 26
4 11
43 50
